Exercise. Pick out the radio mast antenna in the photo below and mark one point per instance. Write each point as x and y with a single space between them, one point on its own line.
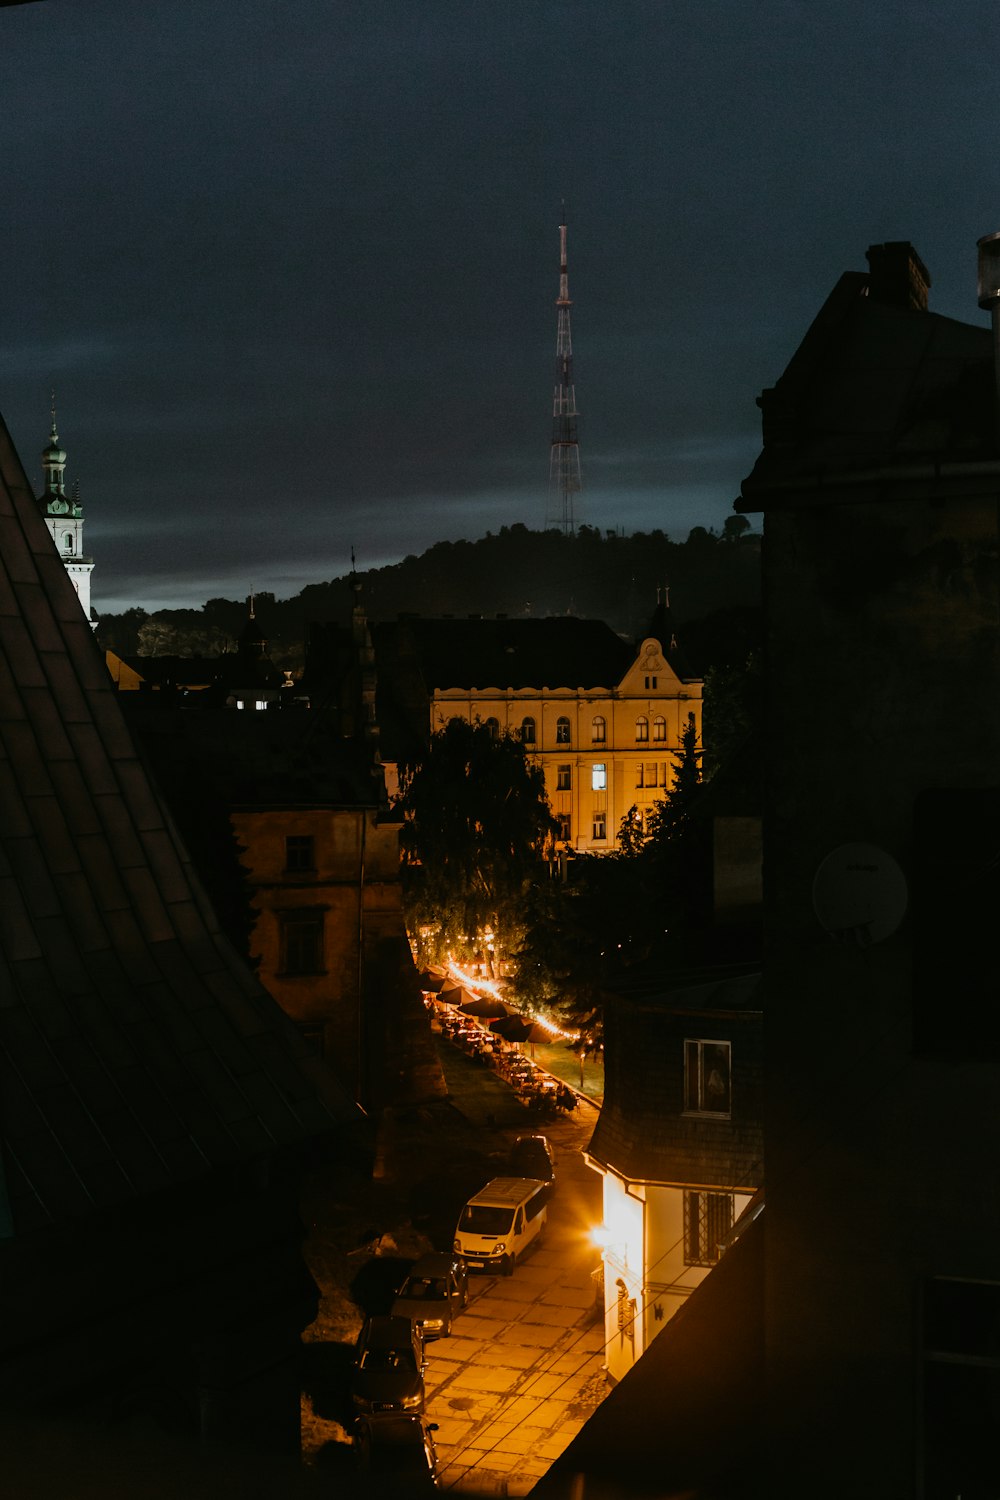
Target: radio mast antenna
564 463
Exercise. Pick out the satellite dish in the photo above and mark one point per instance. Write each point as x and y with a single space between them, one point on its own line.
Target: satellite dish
859 894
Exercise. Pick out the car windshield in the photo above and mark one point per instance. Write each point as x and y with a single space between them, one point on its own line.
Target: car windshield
431 1288
388 1359
481 1218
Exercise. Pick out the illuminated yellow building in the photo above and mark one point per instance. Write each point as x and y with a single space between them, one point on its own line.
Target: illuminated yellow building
601 715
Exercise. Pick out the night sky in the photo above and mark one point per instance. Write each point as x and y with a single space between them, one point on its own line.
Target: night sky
291 265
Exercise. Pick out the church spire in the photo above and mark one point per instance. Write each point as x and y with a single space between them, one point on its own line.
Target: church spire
54 462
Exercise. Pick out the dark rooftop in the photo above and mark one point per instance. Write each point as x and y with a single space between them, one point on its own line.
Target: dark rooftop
877 381
136 1050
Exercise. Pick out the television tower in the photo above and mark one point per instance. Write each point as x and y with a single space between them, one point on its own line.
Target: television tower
564 464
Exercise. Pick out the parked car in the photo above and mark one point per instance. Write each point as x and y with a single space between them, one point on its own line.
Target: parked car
532 1156
435 1290
396 1454
388 1369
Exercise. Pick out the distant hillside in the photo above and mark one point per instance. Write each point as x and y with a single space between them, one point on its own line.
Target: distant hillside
518 572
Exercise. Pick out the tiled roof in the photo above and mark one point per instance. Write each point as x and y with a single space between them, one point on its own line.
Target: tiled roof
136 1051
643 1132
561 652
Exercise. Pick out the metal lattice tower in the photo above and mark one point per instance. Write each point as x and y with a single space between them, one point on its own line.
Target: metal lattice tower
564 464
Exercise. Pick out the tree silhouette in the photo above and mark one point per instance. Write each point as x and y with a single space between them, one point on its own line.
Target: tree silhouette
477 822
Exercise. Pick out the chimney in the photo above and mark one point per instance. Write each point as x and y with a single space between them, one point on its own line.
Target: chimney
897 275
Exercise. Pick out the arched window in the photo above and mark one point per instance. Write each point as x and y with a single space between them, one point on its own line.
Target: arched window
562 731
598 730
641 730
68 542
493 725
659 729
528 731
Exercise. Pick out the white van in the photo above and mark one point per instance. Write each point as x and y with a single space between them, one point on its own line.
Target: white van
496 1227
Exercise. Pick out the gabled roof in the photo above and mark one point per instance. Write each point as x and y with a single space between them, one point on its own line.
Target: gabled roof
136 1050
875 386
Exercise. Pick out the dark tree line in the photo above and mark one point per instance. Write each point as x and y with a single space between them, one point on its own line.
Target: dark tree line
593 574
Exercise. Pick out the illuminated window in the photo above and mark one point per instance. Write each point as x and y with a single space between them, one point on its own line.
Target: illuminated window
564 778
300 852
707 1078
598 729
301 941
641 730
599 776
562 731
708 1218
528 731
659 729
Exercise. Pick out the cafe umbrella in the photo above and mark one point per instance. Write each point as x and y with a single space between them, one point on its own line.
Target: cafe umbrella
485 1008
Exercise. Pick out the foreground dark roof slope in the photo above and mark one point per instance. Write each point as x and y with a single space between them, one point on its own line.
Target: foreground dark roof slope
136 1050
686 1422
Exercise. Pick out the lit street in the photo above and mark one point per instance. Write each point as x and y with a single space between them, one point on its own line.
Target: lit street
517 1379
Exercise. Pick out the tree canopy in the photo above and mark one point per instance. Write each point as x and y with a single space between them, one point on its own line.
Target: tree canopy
476 825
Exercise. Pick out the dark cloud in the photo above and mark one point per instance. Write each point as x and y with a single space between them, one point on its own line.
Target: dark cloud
291 265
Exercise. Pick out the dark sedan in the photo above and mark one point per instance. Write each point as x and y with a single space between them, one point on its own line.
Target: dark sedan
388 1370
396 1454
434 1291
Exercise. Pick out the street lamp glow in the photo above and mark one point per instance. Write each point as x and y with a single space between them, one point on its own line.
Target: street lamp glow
601 1236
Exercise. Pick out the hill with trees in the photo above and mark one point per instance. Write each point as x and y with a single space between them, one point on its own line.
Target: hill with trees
593 574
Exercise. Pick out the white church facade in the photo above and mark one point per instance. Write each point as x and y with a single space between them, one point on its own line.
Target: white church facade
64 517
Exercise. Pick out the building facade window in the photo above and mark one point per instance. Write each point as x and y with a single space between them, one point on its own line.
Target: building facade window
659 729
302 941
641 730
493 727
564 778
565 822
562 731
300 852
528 731
707 1078
598 729
599 776
68 542
708 1218
650 683
600 827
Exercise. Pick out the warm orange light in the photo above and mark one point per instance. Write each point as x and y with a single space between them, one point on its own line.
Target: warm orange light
601 1236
